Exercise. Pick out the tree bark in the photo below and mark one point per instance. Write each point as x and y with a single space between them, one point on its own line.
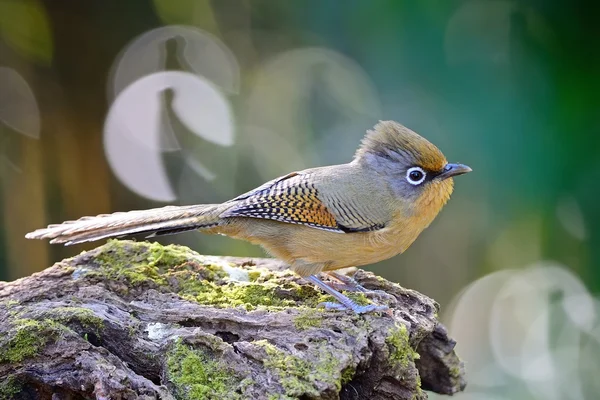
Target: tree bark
138 320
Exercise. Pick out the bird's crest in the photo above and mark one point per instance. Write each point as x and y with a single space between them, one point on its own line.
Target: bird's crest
388 137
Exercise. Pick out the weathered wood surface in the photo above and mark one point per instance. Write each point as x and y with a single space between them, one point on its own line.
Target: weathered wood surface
135 320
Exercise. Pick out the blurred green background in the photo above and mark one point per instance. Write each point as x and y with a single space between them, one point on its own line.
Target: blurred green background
117 105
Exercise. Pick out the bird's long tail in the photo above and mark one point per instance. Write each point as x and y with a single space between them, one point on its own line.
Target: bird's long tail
157 221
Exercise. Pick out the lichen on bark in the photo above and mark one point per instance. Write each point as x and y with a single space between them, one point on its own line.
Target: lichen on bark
141 320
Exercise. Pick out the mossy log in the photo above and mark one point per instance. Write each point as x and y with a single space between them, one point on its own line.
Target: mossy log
138 320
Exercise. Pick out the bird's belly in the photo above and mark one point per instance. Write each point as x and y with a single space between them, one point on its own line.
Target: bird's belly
332 250
358 249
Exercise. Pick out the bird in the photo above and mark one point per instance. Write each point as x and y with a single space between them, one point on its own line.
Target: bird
317 220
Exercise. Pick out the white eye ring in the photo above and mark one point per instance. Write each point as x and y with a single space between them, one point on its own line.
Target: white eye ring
415 181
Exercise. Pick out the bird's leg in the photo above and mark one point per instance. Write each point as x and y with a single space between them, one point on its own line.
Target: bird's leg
345 301
347 283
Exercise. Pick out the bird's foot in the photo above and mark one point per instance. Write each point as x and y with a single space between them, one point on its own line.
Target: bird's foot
350 284
344 301
347 288
329 305
346 283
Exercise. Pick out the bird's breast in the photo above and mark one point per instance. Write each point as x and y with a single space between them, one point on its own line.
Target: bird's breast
341 250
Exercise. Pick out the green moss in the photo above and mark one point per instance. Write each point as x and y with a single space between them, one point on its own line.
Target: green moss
84 316
359 298
400 350
254 275
9 388
308 318
148 263
27 338
195 376
272 294
298 376
137 262
455 372
180 270
418 392
248 295
131 329
402 354
348 375
10 303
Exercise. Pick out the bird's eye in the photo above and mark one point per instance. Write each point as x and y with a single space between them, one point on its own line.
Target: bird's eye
415 175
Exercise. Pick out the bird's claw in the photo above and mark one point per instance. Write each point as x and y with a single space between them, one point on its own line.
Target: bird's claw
344 302
347 287
381 295
370 308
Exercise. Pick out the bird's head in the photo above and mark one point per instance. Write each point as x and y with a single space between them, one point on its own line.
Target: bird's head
417 172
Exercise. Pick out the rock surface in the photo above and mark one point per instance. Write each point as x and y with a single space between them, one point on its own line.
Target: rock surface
138 320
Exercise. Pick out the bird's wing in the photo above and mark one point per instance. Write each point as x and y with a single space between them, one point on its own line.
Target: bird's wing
308 199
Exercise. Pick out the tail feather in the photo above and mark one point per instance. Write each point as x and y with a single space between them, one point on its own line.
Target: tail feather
157 221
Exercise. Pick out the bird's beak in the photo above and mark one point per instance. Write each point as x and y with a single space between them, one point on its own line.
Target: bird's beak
451 170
